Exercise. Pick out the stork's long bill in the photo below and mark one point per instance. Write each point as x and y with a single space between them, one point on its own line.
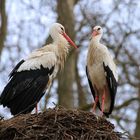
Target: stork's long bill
69 40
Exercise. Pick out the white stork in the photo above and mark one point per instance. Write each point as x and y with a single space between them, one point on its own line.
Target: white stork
101 73
32 76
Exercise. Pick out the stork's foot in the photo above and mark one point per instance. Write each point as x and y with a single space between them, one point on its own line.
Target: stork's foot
101 114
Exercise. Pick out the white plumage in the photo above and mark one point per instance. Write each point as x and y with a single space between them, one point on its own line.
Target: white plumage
100 70
47 59
32 76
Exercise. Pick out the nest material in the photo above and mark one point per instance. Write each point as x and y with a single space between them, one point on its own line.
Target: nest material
57 124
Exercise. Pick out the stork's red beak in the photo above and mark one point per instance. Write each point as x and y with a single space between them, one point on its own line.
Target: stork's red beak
69 40
94 33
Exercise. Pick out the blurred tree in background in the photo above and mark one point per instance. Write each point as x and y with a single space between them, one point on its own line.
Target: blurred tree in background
3 27
25 28
67 76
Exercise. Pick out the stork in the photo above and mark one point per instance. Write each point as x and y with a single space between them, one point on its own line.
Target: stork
32 76
101 73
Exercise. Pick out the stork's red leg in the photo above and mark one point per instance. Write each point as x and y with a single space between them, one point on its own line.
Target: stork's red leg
36 109
95 103
103 101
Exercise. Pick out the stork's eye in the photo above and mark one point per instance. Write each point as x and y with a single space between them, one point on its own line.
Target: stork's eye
62 28
98 28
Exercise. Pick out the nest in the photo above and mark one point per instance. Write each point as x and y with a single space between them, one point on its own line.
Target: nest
57 124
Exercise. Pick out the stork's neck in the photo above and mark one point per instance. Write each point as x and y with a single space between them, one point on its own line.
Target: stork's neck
96 40
61 50
94 44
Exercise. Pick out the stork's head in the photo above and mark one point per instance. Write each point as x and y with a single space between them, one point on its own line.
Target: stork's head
57 32
97 33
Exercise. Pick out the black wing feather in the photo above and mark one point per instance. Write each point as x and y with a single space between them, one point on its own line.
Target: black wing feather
112 85
10 84
25 89
16 68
